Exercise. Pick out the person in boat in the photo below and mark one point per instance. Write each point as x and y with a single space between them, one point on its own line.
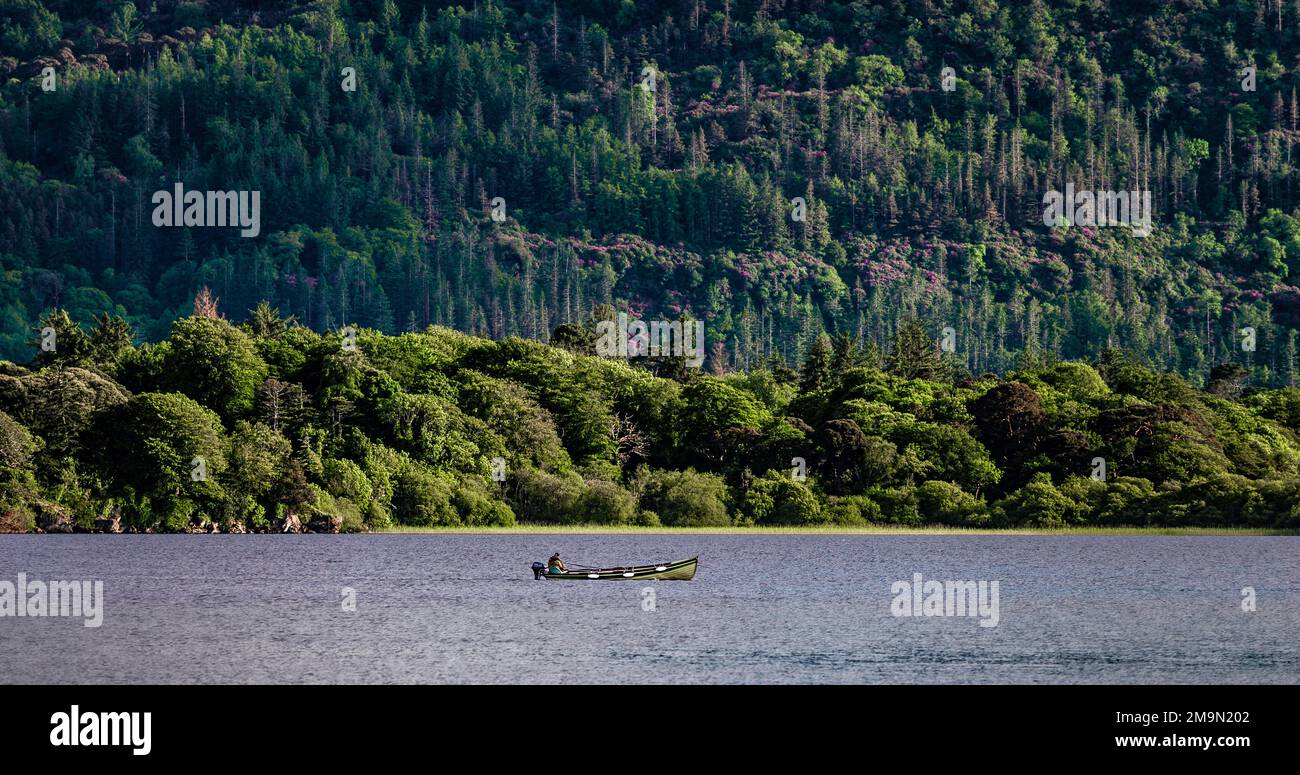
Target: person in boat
555 564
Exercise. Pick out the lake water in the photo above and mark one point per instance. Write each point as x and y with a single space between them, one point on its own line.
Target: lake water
762 609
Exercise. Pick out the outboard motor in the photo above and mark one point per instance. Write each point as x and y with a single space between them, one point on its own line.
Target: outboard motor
539 569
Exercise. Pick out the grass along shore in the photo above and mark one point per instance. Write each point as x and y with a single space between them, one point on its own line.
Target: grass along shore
850 530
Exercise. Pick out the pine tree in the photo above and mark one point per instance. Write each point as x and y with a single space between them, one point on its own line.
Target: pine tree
914 355
815 373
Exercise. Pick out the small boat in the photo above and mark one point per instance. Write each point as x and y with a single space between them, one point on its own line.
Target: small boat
681 570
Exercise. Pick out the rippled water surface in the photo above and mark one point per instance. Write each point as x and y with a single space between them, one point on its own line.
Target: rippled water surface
762 609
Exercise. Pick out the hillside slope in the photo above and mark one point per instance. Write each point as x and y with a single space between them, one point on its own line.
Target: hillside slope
646 155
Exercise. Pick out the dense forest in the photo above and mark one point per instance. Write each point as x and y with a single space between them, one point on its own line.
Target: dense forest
452 197
646 155
269 425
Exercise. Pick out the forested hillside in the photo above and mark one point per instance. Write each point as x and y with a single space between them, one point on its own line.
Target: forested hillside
645 155
435 208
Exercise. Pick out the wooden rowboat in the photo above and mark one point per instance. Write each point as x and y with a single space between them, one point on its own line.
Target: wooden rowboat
681 570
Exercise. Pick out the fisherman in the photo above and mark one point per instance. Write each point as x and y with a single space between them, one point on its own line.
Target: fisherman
555 564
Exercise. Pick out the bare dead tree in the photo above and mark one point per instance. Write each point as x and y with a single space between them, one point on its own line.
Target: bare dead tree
630 440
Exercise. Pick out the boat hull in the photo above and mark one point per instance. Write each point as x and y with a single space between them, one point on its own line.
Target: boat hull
681 570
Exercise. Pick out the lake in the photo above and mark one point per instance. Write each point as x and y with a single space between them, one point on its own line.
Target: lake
771 608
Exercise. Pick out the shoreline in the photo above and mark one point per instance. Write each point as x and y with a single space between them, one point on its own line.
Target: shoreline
838 530
597 529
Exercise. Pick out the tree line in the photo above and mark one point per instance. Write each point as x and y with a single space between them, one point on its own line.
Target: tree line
648 155
271 426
